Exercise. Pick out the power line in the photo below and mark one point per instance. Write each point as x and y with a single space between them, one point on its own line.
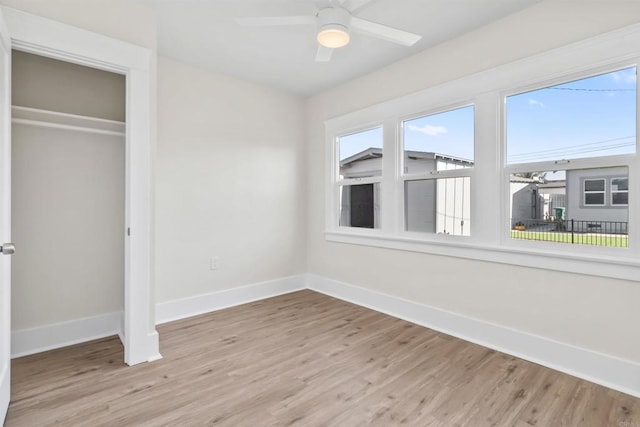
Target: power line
551 150
609 144
574 152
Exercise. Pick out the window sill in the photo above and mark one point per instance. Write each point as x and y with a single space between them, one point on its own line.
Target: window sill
625 266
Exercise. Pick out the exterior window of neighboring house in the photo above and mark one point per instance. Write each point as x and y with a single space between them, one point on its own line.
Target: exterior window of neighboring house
359 175
568 151
619 191
436 165
594 192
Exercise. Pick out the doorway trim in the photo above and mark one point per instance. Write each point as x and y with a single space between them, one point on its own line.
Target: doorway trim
45 37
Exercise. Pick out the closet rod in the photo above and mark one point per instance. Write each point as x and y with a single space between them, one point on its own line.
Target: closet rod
66 127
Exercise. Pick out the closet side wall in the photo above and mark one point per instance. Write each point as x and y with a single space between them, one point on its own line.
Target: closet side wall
68 197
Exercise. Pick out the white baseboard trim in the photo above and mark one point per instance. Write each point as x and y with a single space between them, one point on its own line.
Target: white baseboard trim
603 369
205 303
153 340
35 340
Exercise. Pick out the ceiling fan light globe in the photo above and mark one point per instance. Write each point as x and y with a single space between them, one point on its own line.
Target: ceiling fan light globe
333 36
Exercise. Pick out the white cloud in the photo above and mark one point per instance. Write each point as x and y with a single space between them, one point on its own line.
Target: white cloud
536 103
625 76
429 130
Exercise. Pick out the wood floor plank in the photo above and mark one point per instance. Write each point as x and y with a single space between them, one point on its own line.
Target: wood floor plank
304 359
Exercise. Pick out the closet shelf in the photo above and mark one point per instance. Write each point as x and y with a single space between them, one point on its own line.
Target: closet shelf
57 120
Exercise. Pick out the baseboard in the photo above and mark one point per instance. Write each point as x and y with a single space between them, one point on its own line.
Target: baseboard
35 340
192 306
603 369
153 340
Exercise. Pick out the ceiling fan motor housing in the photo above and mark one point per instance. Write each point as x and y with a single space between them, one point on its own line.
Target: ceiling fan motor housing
334 20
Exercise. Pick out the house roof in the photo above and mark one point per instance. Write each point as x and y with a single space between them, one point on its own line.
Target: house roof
557 183
369 153
374 153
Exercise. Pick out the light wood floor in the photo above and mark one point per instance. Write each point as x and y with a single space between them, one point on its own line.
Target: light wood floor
304 359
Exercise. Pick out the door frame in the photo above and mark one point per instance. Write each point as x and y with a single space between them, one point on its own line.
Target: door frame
45 37
5 220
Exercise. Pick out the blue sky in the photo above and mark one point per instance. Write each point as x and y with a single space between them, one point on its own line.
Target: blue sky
586 118
589 117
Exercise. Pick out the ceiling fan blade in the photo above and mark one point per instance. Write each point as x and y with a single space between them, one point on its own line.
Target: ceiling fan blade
323 4
355 5
323 54
268 21
384 32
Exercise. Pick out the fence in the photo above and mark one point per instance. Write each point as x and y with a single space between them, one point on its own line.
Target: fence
581 232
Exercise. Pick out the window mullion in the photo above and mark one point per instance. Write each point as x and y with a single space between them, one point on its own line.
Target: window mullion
485 199
390 197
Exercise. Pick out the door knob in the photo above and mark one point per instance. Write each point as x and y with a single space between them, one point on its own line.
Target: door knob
7 249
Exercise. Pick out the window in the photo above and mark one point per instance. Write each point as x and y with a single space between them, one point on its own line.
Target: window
438 205
360 154
620 191
586 118
545 207
435 145
359 205
564 126
360 160
594 192
527 163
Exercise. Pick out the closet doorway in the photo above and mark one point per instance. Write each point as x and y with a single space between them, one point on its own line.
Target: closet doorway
68 202
40 36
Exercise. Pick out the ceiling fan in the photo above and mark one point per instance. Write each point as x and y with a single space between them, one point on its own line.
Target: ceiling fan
334 22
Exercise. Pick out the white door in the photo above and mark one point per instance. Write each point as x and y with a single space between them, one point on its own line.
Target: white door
5 218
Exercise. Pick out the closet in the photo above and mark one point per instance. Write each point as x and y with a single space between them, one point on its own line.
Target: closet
68 189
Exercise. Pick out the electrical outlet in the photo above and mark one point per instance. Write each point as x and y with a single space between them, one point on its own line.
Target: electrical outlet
213 265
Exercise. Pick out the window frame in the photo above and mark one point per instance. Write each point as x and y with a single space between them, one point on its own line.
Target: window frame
429 175
334 208
487 90
611 161
612 191
585 192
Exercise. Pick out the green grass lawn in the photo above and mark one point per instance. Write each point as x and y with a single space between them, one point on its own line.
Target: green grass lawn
593 239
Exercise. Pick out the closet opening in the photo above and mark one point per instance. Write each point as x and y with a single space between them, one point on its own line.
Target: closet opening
68 203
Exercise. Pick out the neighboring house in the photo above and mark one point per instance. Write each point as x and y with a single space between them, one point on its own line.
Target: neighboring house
598 199
553 193
432 205
595 199
360 204
535 199
526 202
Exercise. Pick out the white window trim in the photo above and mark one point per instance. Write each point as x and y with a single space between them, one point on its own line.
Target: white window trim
490 235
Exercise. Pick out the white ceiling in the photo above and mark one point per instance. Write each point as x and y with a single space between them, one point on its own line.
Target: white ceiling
205 33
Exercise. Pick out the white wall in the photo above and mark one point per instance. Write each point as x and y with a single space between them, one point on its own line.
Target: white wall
230 182
68 222
591 312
